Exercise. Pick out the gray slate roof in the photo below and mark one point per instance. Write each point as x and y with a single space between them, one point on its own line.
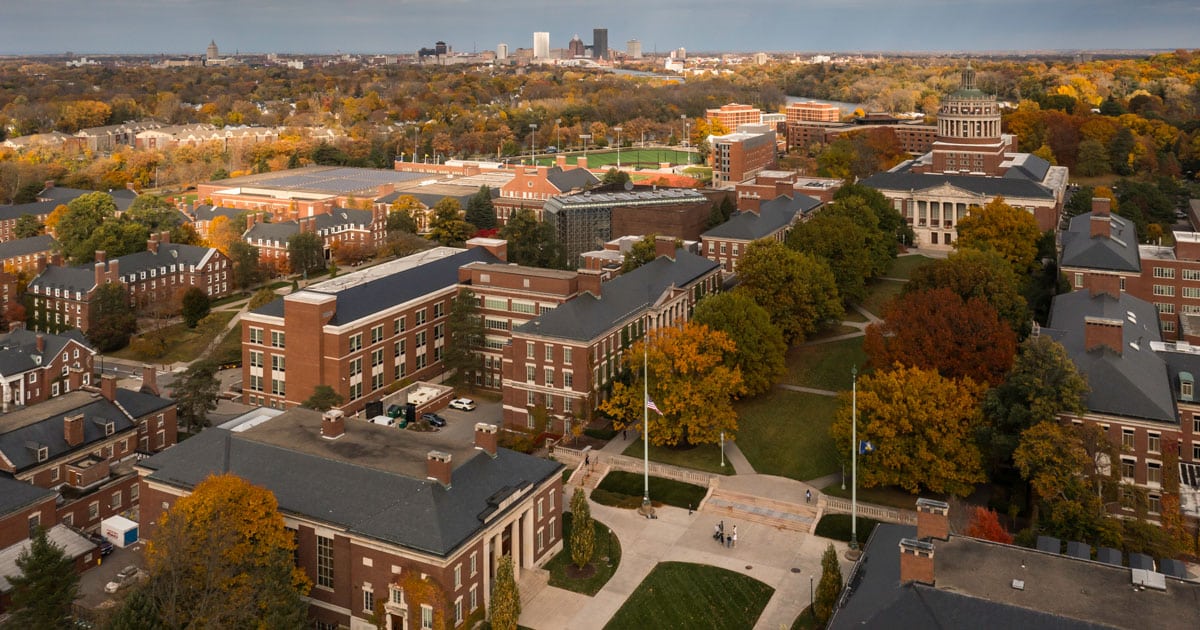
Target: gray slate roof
772 215
1008 187
416 513
585 316
272 232
70 278
573 179
26 246
208 213
1118 252
1134 383
122 197
83 278
15 444
36 209
71 542
344 216
16 495
18 349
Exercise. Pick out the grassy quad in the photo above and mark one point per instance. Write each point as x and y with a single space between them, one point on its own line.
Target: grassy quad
706 457
825 365
624 489
183 343
630 157
786 433
903 266
606 559
689 596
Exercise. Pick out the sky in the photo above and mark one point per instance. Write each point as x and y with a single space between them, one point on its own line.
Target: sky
403 26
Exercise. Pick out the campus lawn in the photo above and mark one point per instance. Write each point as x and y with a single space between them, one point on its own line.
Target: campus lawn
182 343
879 293
688 596
706 457
786 433
624 489
838 527
605 559
229 351
630 157
903 266
825 365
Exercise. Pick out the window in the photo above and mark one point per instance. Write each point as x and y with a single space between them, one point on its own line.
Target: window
458 611
114 501
539 509
1154 473
277 363
426 617
1155 443
1155 503
420 339
256 358
277 338
549 352
458 576
277 386
1166 308
356 366
256 335
1165 290
439 309
438 331
377 357
1191 292
93 510
400 325
256 383
1164 272
355 342
35 521
420 315
397 596
54 475
1078 280
474 563
474 598
377 334
1191 274
528 349
1127 467
549 377
524 307
1127 438
566 356
368 600
568 379
567 405
324 562
541 539
133 493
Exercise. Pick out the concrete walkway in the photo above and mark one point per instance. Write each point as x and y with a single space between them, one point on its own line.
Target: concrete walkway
807 390
764 553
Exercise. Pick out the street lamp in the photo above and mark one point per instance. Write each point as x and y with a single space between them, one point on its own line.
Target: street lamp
618 130
557 139
585 137
854 457
683 119
722 450
533 143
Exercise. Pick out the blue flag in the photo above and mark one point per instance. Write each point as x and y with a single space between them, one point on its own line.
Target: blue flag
865 447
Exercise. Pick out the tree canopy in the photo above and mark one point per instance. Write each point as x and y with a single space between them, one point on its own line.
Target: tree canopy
583 530
759 346
830 587
481 212
464 337
196 394
983 274
506 599
323 398
1011 232
642 251
113 321
306 252
798 290
82 217
44 590
531 242
447 225
195 306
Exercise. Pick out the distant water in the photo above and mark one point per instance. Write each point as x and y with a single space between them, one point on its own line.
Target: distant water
847 108
642 73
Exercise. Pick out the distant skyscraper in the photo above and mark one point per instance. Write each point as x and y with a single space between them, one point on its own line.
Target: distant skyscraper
541 45
633 49
576 47
600 43
501 51
212 53
440 48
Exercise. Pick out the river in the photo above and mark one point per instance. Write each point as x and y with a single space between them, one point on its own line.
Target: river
847 108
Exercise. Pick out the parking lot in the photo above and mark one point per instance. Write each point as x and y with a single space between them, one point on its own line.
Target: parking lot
91 582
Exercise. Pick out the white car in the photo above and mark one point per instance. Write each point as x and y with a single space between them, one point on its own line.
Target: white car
463 404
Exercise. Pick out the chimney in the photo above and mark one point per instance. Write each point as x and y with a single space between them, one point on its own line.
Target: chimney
149 379
783 188
73 430
560 161
152 244
41 343
164 237
56 259
486 437
75 378
41 263
749 202
101 256
333 424
589 281
1101 283
108 387
916 561
1101 206
1101 226
933 520
437 466
664 246
581 161
1101 332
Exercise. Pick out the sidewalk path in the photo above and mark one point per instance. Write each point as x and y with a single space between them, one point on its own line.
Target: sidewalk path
807 390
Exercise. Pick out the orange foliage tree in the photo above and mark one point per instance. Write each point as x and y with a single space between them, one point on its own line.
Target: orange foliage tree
985 524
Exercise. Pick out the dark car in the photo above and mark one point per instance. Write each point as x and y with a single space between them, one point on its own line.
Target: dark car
103 543
433 419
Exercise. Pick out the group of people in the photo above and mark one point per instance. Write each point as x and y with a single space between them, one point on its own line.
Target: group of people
725 539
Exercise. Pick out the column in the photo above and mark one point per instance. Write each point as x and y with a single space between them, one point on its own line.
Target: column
527 542
486 567
497 551
516 549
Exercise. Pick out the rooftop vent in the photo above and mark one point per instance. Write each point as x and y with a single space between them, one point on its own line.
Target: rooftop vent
1148 579
1018 585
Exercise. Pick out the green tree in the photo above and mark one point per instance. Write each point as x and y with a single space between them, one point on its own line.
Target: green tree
1011 232
506 599
1120 151
222 558
922 426
760 348
481 212
583 530
830 587
400 214
447 225
112 319
154 212
137 612
196 394
195 306
843 245
45 589
247 271
83 216
1093 159
973 273
1042 384
1069 481
28 226
261 298
465 337
888 219
531 242
306 252
323 398
614 176
641 252
798 290
118 237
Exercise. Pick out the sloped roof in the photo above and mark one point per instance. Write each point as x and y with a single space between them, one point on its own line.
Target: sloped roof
18 442
208 213
573 179
1118 252
16 495
122 197
344 216
69 278
26 246
1027 166
71 542
276 232
36 209
83 278
771 216
586 316
19 353
1008 187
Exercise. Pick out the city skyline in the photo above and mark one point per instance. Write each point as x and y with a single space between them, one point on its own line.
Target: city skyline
401 26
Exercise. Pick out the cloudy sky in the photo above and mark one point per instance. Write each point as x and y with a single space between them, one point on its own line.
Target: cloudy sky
390 26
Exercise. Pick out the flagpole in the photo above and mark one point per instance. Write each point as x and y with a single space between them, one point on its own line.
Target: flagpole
645 423
854 457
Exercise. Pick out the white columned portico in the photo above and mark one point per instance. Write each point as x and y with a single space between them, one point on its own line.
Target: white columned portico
516 548
486 567
527 541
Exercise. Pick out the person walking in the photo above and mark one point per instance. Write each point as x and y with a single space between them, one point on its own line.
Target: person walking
808 496
717 531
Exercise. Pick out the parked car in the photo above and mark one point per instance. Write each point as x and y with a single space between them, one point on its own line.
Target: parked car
103 543
463 404
124 578
433 419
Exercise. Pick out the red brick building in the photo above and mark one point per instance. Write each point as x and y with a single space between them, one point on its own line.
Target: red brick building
375 510
27 254
757 219
734 115
743 154
35 367
532 186
361 230
807 111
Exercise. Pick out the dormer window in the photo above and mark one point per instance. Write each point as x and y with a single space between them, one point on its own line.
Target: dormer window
109 428
1186 385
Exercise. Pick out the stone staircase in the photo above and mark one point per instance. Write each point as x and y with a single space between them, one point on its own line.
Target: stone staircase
737 506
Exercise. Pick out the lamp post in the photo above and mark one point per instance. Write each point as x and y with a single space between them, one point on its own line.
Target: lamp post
557 138
722 449
854 457
683 119
585 137
618 130
533 143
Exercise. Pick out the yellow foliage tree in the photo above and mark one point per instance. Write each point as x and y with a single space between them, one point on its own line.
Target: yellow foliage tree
222 233
54 217
693 379
1011 232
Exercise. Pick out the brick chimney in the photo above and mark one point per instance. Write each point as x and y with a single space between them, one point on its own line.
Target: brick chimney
784 188
41 343
1103 283
933 520
75 378
149 379
101 256
41 263
560 161
486 437
749 202
164 237
437 466
152 244
581 162
108 387
73 430
1101 206
1101 332
1100 226
589 281
916 561
664 246
333 424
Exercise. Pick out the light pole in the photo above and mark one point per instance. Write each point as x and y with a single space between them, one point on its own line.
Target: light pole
557 139
618 130
533 144
683 119
585 137
722 450
854 457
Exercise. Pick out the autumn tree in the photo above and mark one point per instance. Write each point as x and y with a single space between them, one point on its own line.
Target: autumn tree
261 298
692 381
985 524
44 590
1173 524
28 226
642 251
196 393
583 530
323 398
937 330
531 242
798 290
506 599
195 306
447 225
844 245
1011 232
224 232
922 426
480 210
83 216
1072 483
829 588
222 558
401 214
306 253
759 346
974 273
247 270
113 321
464 337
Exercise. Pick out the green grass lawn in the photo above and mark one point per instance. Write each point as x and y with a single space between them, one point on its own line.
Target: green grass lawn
889 496
182 343
825 365
605 559
786 433
805 620
706 457
688 596
854 316
903 266
630 157
624 489
229 351
879 293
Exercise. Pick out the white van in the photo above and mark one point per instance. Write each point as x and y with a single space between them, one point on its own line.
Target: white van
383 420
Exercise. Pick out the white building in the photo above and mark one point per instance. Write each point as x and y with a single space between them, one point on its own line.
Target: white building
633 49
501 51
541 45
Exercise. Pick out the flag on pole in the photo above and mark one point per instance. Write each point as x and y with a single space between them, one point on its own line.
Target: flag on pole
865 447
651 406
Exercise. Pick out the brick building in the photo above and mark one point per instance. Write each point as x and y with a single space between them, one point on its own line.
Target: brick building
734 115
304 192
531 186
585 220
743 154
755 220
807 111
61 297
35 367
358 333
374 509
566 359
359 229
26 254
202 217
108 138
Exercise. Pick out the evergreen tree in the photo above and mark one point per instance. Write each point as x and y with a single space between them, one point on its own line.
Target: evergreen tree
531 242
465 337
195 306
830 587
480 211
506 599
583 530
196 394
113 320
306 252
323 398
43 592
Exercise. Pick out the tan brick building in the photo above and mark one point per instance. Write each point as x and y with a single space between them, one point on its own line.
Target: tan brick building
807 111
734 115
